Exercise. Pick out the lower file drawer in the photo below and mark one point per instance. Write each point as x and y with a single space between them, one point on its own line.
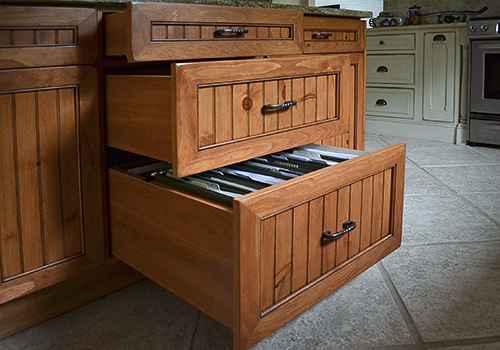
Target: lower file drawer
262 262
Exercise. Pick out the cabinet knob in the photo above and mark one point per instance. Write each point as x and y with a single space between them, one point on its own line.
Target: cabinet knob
381 102
381 42
347 226
382 69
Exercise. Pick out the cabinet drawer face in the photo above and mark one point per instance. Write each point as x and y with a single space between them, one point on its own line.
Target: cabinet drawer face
306 101
390 42
159 32
326 34
282 264
37 36
396 103
391 69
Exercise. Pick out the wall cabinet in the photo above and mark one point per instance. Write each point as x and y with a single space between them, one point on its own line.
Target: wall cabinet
415 81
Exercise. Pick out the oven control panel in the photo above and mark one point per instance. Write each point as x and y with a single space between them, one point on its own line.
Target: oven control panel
484 28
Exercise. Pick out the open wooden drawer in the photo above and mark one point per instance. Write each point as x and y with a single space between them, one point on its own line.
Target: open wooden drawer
262 262
209 114
163 32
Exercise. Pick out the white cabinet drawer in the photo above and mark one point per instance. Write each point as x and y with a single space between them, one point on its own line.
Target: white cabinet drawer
390 42
390 69
396 103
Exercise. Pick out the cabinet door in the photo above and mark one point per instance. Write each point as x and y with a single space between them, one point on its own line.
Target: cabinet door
439 77
51 227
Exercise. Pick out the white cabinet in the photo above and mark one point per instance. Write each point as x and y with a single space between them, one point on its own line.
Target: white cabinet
415 81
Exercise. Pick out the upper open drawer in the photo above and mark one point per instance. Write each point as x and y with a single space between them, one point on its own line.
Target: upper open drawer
211 114
160 32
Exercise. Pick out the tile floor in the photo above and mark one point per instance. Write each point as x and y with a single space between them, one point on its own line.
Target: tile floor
440 290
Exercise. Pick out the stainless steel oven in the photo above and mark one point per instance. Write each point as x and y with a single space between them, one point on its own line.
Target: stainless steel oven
484 82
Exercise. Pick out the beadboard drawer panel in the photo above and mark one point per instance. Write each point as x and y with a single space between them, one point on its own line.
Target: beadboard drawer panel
391 69
390 42
37 36
160 31
155 115
328 34
397 103
261 263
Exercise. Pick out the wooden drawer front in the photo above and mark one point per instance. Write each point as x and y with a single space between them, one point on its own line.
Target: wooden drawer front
326 34
37 36
161 32
227 125
390 42
281 237
396 103
391 69
294 255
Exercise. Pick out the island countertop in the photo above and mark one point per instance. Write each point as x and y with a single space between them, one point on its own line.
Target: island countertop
308 10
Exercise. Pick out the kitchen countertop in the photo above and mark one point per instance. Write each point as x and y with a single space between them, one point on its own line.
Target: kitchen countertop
308 10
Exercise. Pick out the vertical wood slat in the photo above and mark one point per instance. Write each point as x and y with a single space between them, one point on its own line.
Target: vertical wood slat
355 215
275 32
175 31
192 32
285 32
299 246
262 32
206 118
332 107
29 190
298 95
283 247
256 94
322 97
159 32
207 32
342 216
5 38
386 204
45 37
252 33
66 36
378 195
271 97
267 261
366 213
223 113
69 156
240 111
50 175
10 254
330 223
310 99
285 94
315 239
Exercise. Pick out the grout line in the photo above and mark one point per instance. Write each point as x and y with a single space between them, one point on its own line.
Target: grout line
465 341
195 331
425 244
400 304
458 165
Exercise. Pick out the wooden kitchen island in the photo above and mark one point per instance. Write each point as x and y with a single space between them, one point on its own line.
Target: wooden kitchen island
187 84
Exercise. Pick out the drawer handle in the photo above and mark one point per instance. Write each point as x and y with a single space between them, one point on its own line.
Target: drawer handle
284 105
382 69
439 37
231 31
321 35
381 102
347 226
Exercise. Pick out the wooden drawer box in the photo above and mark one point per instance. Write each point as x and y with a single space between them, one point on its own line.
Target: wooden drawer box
210 114
327 34
160 32
390 69
390 42
256 266
390 102
37 36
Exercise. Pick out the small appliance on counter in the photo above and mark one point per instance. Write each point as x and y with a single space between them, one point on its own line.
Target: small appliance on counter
484 83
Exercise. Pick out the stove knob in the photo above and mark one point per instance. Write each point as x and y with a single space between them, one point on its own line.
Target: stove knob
473 28
484 28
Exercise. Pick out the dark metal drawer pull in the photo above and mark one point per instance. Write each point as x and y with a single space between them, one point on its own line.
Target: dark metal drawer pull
381 102
382 69
347 226
321 35
439 37
231 31
284 105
